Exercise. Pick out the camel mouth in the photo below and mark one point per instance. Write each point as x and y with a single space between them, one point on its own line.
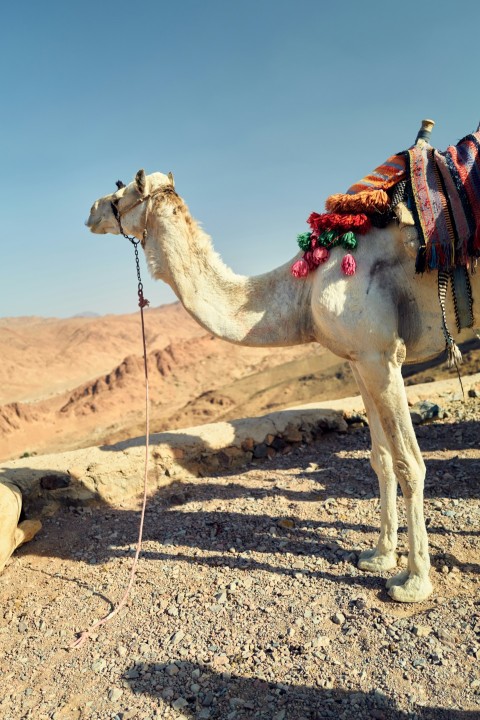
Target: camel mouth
94 227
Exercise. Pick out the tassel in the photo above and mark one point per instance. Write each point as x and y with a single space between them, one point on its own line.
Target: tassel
304 241
299 269
349 241
320 255
454 355
327 238
349 265
342 223
308 257
368 201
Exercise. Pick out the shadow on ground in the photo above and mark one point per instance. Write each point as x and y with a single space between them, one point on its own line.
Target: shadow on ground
217 696
231 537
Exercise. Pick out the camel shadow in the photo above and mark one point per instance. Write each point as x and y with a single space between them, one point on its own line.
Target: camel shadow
180 514
180 517
200 692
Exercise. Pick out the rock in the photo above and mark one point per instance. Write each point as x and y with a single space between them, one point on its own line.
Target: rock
422 630
260 451
99 665
321 641
115 694
177 637
172 669
286 523
208 699
426 410
121 650
248 444
338 618
179 703
292 434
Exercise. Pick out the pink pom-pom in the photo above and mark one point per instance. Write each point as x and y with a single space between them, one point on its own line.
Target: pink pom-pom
349 265
320 255
299 268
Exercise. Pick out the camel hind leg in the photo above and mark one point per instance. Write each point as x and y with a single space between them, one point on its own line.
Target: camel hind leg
380 375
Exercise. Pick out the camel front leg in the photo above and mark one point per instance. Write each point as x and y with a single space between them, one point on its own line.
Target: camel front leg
383 556
382 379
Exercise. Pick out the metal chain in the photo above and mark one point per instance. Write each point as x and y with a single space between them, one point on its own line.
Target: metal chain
142 301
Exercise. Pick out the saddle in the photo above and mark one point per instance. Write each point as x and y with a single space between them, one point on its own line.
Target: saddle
436 192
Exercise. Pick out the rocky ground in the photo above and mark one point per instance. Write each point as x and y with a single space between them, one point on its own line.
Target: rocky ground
248 602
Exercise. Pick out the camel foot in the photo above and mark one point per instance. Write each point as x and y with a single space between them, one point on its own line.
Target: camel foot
375 561
409 588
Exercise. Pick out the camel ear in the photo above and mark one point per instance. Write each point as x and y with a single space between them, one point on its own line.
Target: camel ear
141 181
172 179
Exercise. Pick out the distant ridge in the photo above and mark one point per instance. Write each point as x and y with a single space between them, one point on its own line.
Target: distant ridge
86 314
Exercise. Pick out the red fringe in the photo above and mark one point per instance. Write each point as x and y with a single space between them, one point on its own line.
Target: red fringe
332 221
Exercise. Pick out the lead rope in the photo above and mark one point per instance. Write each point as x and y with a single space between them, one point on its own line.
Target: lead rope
142 302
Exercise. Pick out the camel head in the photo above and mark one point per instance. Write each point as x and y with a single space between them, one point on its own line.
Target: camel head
130 205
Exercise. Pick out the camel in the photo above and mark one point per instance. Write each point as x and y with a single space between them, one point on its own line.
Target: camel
377 319
14 530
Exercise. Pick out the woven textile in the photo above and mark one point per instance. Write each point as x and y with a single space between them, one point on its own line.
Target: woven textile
383 177
446 194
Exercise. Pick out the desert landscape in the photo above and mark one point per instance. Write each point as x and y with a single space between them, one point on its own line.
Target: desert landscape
73 383
248 603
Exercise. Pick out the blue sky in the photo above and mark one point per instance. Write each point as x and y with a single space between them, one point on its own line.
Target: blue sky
260 108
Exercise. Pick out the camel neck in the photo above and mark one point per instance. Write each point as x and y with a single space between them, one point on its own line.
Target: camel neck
272 309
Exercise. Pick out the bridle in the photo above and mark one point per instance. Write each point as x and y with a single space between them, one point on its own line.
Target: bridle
143 198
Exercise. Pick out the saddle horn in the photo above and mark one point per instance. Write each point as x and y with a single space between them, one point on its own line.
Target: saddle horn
423 135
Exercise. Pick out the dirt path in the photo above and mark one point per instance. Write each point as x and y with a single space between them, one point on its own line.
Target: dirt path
248 602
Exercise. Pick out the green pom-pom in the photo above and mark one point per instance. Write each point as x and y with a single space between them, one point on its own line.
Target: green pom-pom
304 241
349 241
327 238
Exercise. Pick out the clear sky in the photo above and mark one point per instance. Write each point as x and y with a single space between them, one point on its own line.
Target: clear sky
261 108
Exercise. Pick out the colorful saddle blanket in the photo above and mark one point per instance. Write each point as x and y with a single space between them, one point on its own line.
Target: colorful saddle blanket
446 193
445 199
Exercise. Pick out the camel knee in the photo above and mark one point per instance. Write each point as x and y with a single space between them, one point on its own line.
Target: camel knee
411 476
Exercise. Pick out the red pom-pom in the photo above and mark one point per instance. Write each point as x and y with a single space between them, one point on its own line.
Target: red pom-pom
320 255
308 257
299 268
349 265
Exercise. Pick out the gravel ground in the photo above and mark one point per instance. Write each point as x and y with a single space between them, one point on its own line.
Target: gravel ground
248 602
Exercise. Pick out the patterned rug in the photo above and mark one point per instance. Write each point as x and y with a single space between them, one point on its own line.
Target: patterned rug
446 194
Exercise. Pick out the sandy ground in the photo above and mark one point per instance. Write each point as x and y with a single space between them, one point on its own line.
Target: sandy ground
248 602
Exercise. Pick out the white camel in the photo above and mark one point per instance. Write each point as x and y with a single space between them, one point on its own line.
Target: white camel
379 318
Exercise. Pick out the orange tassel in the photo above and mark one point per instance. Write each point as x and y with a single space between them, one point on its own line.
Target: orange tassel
367 201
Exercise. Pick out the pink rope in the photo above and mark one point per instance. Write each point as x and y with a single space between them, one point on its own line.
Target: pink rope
86 634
